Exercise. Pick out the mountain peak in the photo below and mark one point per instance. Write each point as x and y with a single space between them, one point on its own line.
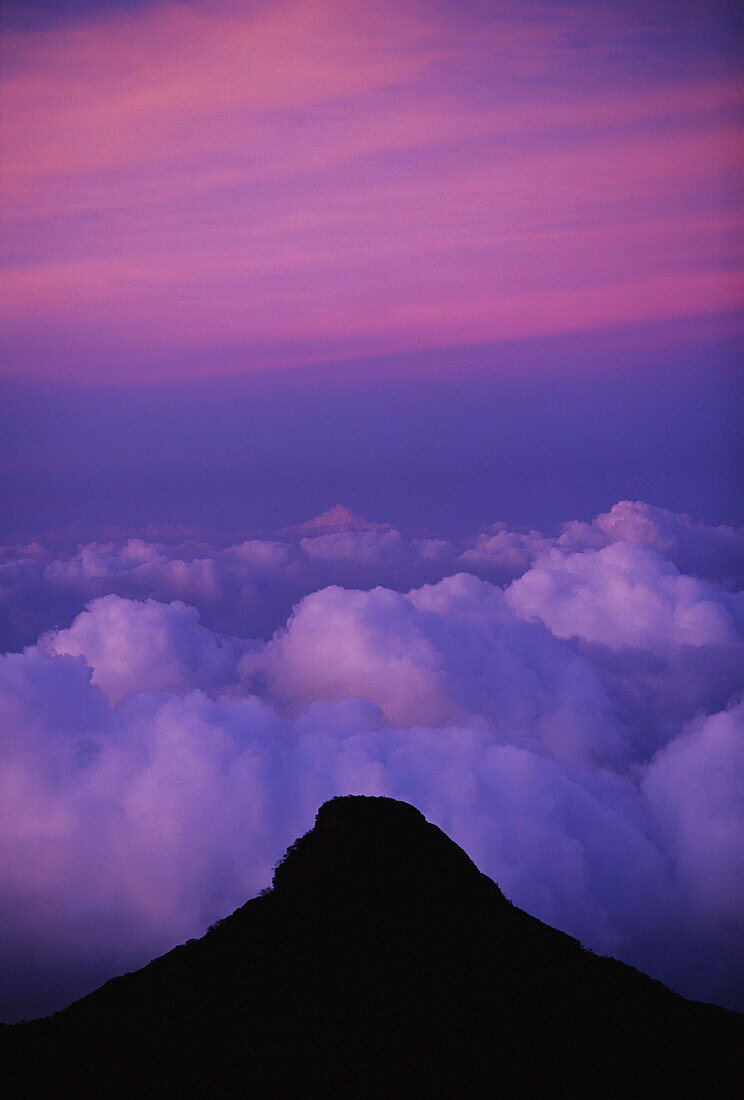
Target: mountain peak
336 520
382 963
362 844
338 517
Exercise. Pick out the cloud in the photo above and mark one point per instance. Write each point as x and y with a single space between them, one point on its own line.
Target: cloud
579 733
665 645
434 656
716 553
137 563
625 595
146 646
501 555
695 788
696 785
245 587
121 829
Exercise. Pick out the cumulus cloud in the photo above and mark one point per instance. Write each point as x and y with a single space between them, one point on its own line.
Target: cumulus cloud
625 595
436 655
696 786
501 555
665 645
695 790
146 646
696 548
579 732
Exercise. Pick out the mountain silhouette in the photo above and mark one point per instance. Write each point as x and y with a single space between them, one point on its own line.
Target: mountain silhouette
381 963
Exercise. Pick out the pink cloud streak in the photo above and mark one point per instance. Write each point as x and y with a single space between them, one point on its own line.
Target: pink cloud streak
348 184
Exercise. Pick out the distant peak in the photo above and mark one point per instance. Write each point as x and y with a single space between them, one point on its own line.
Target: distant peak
335 520
339 516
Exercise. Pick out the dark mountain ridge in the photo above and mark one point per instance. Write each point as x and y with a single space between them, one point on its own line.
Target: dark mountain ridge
381 963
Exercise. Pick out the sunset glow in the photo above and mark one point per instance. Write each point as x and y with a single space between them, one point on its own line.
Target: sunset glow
298 182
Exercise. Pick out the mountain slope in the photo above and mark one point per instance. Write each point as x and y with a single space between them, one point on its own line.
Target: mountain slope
382 963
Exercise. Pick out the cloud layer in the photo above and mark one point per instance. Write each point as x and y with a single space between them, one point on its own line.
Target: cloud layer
580 730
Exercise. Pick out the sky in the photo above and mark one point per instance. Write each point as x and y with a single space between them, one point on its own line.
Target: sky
263 257
194 189
465 281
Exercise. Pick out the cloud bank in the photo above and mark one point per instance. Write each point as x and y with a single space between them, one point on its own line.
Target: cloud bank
568 708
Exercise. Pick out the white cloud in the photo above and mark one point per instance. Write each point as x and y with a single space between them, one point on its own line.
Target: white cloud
696 548
146 646
625 595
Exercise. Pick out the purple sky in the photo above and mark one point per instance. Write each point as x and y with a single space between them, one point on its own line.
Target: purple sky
499 245
471 270
454 440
